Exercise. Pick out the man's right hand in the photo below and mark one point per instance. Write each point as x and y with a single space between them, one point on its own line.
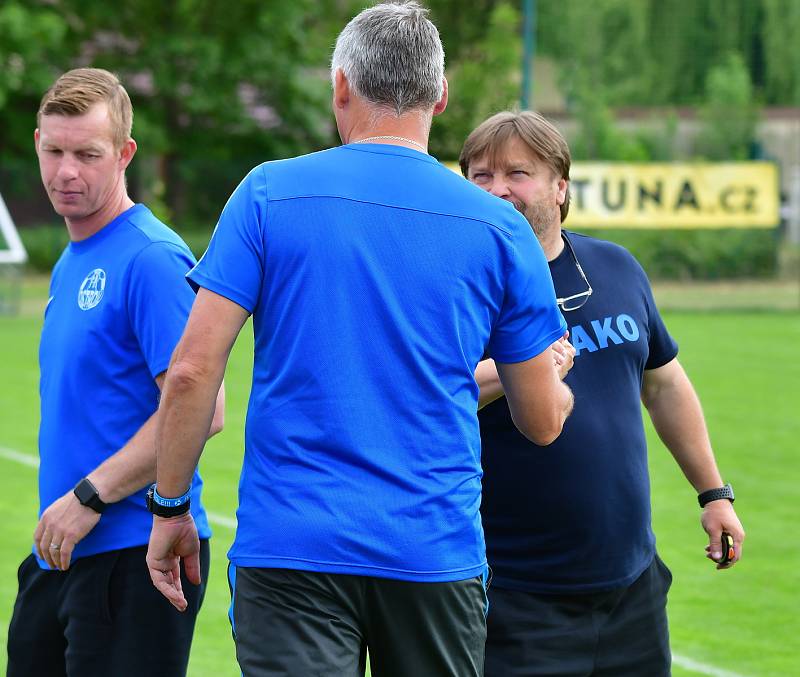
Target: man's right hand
171 539
563 355
61 527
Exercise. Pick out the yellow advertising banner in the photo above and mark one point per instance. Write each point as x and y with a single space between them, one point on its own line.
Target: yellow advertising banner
718 195
674 195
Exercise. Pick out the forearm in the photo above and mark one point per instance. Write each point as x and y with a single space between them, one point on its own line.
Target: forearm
560 407
567 402
129 469
185 418
678 419
488 381
491 388
218 421
133 467
539 401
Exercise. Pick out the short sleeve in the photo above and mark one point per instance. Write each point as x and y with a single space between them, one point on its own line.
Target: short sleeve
662 348
529 319
233 265
159 301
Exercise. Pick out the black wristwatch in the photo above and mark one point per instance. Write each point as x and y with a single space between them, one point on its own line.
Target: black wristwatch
715 495
167 507
88 495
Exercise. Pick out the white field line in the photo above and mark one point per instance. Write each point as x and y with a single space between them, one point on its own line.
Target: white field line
24 459
702 668
228 523
33 462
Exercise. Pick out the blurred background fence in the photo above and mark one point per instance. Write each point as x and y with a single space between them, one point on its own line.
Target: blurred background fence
220 87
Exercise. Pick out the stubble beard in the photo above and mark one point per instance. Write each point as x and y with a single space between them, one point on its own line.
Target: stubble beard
542 218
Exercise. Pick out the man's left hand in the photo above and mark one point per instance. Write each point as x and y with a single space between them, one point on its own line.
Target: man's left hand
719 516
60 528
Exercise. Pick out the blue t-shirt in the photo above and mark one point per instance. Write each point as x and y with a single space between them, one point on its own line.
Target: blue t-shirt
118 305
377 278
575 516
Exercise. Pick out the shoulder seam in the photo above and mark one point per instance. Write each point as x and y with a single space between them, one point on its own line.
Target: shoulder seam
135 258
390 206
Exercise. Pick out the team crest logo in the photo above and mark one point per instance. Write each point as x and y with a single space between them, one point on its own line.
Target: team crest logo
92 288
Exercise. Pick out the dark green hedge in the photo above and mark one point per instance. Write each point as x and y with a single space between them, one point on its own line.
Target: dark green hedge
45 244
702 254
665 254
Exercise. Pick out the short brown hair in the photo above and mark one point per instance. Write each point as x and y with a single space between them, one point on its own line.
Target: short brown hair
545 141
75 92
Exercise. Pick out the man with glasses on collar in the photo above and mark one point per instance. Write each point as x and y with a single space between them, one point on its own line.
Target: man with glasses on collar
578 588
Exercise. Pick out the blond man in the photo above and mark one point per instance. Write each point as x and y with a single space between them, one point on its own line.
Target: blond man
118 303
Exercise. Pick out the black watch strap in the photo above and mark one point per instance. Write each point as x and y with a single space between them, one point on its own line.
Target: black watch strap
715 495
88 495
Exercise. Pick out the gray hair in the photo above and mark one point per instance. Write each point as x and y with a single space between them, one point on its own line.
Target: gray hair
392 56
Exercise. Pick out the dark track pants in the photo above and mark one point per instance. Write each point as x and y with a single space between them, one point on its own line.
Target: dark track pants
288 622
620 633
99 618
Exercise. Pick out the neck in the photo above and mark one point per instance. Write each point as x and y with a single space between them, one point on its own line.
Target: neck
84 227
551 242
391 139
410 130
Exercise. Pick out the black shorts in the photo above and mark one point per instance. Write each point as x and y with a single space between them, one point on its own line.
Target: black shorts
620 633
101 617
288 622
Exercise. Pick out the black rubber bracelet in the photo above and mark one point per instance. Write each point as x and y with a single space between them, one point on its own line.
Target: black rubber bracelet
164 510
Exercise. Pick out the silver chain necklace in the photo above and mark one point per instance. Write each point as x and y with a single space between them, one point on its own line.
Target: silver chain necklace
393 138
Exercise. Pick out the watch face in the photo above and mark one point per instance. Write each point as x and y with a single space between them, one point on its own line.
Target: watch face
88 496
85 492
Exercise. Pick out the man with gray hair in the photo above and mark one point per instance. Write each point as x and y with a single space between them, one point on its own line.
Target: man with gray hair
377 279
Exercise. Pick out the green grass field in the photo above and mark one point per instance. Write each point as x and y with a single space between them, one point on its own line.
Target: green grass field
745 366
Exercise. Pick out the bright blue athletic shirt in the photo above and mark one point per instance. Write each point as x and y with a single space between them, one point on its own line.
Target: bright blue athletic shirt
118 304
575 516
377 279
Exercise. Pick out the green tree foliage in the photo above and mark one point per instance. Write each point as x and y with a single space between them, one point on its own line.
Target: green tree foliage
216 87
598 45
729 114
482 71
31 39
686 39
219 87
596 71
651 52
781 53
667 53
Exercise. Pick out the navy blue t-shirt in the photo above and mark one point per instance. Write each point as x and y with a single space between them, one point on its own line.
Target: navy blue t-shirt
118 305
377 278
574 516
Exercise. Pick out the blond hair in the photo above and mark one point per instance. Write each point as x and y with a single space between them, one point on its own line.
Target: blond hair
76 91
